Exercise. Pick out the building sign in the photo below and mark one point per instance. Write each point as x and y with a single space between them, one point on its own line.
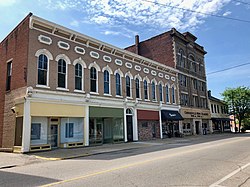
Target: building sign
204 114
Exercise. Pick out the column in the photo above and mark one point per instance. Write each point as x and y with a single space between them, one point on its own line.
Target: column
125 126
86 126
210 126
180 127
161 135
135 126
26 127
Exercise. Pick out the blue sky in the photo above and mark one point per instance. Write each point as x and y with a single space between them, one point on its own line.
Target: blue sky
118 21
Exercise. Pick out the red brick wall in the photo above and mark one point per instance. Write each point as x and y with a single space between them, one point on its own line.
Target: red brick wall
15 47
158 48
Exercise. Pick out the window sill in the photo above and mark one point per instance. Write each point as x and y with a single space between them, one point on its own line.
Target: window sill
119 96
94 93
147 100
107 95
62 89
129 97
154 101
42 86
79 91
138 99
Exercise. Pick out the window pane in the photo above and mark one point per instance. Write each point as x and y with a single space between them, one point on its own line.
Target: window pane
61 80
153 90
127 86
69 132
137 86
42 77
145 89
167 94
78 83
160 90
106 82
118 84
35 131
93 79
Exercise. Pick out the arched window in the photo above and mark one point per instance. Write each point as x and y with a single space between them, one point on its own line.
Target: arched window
173 94
93 80
42 69
62 73
145 85
106 82
160 92
137 88
153 91
181 59
78 76
167 93
118 83
128 86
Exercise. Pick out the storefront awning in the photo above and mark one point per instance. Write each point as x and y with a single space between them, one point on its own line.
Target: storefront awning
222 119
171 115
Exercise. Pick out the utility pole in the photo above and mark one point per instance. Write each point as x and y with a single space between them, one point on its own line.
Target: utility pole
233 112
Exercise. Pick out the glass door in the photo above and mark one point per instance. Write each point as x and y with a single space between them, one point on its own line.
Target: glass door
54 135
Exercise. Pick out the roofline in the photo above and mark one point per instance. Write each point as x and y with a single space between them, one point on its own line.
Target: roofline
33 18
28 16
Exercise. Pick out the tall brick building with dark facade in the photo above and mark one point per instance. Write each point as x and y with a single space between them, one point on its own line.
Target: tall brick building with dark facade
180 51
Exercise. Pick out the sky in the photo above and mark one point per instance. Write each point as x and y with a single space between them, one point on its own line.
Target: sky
226 40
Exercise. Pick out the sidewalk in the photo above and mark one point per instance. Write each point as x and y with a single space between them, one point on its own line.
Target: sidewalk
8 160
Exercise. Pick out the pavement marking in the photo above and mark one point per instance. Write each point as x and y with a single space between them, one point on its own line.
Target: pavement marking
216 184
62 158
141 163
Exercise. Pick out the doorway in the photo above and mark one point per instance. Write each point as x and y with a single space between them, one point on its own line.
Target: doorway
197 127
129 119
19 131
54 135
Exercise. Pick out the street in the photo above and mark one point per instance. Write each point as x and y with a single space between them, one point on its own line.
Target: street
206 162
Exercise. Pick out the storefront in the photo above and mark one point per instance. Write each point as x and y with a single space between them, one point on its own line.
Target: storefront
43 126
106 125
196 121
221 124
170 123
148 124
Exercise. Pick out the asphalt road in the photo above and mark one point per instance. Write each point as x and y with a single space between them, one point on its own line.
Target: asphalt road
214 163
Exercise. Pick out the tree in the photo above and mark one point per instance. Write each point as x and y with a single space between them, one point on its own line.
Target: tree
238 101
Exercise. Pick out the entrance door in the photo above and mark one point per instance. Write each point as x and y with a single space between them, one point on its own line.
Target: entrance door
129 128
19 131
197 127
54 135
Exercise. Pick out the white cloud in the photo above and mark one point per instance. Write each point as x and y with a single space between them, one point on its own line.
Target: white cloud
5 3
161 14
74 23
227 13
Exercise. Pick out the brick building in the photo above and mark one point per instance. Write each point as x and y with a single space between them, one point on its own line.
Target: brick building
60 88
180 51
219 114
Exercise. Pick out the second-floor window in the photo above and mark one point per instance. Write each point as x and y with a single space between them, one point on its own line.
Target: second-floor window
128 87
61 73
9 73
118 84
78 76
153 91
93 80
173 94
160 92
167 93
106 82
42 70
145 85
137 88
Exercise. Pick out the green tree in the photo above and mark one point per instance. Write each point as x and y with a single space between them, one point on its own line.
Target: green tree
238 101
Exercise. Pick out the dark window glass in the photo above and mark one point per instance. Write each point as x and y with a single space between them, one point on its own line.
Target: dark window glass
128 94
160 91
173 94
61 73
167 94
153 91
93 80
8 78
137 87
35 131
42 70
145 85
69 131
118 83
106 82
78 77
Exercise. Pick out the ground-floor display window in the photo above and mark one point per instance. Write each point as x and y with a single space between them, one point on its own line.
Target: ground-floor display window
71 130
170 129
187 128
39 128
106 130
148 130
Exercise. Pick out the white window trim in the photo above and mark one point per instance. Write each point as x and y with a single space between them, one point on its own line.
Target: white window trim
67 60
103 70
80 61
62 89
139 78
162 92
97 67
168 102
